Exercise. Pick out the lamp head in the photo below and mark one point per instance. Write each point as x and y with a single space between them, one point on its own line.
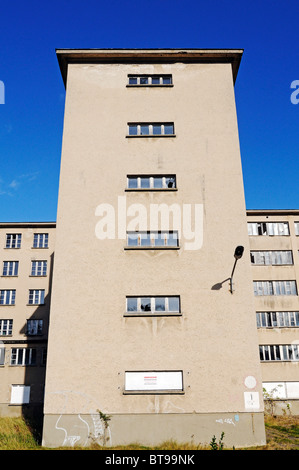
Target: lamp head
239 252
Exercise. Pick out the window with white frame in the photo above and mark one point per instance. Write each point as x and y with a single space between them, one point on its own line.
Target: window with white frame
282 390
2 356
155 239
40 240
13 240
296 228
151 129
20 394
34 327
279 352
147 182
271 257
268 228
275 287
150 80
6 327
154 381
277 319
153 305
38 268
23 357
7 297
36 296
10 268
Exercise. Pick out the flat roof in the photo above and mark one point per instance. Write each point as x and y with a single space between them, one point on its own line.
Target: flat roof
76 56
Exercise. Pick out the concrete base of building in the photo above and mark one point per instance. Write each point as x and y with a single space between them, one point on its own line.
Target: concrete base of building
240 429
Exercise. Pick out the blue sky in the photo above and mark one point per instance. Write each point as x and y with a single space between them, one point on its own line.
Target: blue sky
31 120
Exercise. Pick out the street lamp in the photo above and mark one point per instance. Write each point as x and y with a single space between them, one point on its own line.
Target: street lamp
238 254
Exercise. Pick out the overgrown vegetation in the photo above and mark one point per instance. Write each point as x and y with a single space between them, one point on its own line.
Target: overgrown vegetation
282 434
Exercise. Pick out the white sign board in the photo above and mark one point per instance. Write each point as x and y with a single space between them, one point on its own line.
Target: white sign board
153 380
20 394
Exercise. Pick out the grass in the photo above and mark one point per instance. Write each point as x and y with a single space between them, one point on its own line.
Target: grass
282 434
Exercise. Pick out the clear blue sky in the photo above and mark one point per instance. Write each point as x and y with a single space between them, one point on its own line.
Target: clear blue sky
31 120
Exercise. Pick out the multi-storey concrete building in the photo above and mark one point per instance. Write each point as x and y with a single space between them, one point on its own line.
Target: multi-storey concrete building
27 251
144 326
274 245
153 320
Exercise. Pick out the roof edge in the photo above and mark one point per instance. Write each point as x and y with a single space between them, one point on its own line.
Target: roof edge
67 56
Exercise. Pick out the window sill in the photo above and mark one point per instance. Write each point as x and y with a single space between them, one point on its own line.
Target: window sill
35 305
39 248
9 276
151 135
137 248
154 392
153 314
150 189
42 275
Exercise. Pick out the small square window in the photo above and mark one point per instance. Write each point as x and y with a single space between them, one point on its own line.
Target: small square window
166 80
156 80
143 80
133 129
132 80
168 129
157 130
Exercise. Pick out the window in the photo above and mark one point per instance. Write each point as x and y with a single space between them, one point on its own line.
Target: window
7 297
23 357
36 296
34 327
6 327
154 240
151 129
13 240
153 305
274 352
154 381
150 80
38 268
275 288
20 394
282 390
296 228
40 240
147 182
277 319
2 356
10 268
268 228
271 257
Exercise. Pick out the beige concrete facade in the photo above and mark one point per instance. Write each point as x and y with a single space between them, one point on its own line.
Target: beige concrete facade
27 251
274 242
172 372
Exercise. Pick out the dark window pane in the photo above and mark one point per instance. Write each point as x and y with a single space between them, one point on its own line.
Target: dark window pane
143 80
158 183
144 130
144 182
133 81
155 80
